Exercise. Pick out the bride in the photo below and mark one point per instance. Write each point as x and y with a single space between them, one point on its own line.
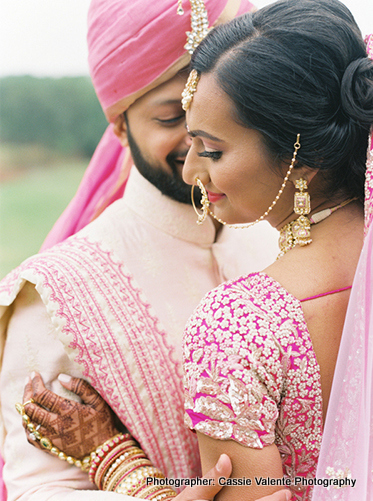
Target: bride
279 108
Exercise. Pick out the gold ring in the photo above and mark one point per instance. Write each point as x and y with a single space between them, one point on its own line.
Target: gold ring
20 408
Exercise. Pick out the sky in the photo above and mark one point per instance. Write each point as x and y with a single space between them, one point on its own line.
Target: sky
48 37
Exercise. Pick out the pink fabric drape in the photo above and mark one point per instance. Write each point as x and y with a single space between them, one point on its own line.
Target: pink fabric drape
102 184
124 36
3 494
347 446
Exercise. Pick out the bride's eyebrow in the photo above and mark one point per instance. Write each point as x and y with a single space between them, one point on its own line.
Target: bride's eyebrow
201 133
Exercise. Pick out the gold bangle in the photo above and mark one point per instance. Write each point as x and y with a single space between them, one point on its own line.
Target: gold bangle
162 495
130 470
122 460
134 482
143 487
122 441
152 491
108 464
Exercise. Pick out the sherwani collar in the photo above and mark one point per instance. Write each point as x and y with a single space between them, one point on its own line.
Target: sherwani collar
169 216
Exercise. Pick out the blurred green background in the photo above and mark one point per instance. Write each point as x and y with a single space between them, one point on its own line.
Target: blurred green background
49 129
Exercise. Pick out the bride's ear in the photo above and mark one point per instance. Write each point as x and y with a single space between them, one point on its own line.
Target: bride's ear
120 129
303 172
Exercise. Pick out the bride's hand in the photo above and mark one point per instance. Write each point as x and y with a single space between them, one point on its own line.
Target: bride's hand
79 428
223 468
75 428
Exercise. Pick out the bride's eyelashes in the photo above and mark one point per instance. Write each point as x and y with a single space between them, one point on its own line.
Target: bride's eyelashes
214 155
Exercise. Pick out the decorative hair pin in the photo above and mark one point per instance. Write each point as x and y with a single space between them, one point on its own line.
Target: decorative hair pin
199 23
189 90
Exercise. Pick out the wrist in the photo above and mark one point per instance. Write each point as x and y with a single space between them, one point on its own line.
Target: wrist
119 465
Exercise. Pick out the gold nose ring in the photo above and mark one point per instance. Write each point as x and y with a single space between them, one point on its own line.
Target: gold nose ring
205 202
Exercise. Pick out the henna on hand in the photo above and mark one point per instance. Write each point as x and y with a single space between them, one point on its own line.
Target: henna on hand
75 428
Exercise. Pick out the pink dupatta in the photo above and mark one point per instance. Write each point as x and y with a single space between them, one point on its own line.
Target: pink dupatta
347 445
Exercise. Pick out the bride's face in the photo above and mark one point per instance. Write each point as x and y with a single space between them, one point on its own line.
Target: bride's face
241 177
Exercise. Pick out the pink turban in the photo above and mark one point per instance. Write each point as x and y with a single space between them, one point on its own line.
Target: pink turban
134 46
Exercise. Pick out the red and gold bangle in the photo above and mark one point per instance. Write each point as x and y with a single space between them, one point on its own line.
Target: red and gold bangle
119 465
99 455
119 462
132 483
118 456
153 491
127 471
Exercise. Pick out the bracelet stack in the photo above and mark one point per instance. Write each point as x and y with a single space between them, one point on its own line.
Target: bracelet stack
119 465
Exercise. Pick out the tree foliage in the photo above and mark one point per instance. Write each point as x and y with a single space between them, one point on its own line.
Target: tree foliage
60 114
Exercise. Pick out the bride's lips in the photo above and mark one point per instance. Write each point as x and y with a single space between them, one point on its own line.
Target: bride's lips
215 197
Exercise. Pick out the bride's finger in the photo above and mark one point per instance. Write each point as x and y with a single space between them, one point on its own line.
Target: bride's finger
42 417
28 391
83 389
48 399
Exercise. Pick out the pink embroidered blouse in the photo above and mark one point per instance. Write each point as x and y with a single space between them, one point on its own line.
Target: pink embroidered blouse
251 374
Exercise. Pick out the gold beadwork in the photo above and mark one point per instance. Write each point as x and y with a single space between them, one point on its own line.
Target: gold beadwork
46 443
180 10
199 24
189 90
301 227
20 408
288 233
205 206
84 464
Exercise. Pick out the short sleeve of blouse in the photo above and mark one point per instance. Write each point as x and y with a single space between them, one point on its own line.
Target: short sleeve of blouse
233 367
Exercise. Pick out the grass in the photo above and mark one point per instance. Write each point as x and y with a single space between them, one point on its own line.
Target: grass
30 202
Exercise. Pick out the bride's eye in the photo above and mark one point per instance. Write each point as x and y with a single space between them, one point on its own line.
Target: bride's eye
214 155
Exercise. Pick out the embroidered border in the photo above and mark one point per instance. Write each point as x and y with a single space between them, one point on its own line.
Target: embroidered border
108 328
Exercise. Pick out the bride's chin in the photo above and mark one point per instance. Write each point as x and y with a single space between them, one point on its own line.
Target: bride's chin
227 218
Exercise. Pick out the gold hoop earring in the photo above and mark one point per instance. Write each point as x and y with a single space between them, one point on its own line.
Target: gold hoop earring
205 202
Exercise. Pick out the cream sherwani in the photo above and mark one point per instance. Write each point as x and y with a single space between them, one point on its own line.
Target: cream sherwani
64 313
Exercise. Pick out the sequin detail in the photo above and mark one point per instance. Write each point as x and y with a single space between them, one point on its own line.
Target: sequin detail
369 186
251 374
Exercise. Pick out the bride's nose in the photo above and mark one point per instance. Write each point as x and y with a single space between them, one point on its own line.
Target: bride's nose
193 169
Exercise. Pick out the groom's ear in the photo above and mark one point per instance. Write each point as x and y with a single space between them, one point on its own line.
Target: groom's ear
120 129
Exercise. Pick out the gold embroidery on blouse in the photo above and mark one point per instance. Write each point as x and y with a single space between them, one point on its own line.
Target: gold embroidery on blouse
257 379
